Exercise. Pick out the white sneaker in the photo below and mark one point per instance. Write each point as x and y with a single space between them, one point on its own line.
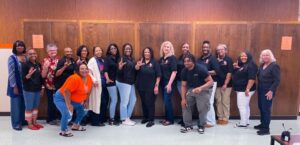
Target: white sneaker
127 122
132 121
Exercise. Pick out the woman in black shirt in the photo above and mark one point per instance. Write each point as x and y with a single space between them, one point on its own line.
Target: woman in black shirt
268 81
110 72
148 78
243 80
83 54
125 84
168 68
32 86
185 47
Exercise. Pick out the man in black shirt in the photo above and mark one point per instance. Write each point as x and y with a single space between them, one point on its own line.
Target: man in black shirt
224 85
65 68
208 60
195 85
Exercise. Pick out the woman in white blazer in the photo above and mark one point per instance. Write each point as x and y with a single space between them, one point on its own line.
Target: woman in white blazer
96 67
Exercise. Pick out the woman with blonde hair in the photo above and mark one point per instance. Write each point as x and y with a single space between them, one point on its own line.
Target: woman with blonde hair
168 67
268 81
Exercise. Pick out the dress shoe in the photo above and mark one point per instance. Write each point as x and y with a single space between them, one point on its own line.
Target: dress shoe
150 124
263 132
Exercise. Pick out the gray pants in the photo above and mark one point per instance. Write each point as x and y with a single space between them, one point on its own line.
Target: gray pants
202 102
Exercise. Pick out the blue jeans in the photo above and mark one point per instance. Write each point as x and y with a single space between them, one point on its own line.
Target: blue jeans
60 103
128 99
265 106
17 111
167 101
32 100
113 95
52 111
179 87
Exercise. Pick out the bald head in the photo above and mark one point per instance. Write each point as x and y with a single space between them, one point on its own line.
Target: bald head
68 52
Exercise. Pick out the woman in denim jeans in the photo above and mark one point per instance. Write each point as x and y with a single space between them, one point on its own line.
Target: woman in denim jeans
14 85
168 67
73 95
125 84
32 86
110 72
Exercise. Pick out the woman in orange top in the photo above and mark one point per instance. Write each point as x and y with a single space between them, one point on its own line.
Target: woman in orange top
73 95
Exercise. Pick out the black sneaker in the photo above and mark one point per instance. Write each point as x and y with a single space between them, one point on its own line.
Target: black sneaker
98 124
186 129
111 122
150 124
144 121
116 123
201 129
258 127
263 132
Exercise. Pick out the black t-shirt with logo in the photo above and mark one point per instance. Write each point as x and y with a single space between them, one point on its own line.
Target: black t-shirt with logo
180 67
127 73
147 74
60 80
241 76
111 67
226 66
212 64
167 66
34 83
195 77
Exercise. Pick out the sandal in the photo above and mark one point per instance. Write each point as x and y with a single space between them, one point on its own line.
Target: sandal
80 128
66 134
167 123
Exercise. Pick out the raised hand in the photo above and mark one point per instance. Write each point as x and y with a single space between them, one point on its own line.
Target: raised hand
121 63
31 71
235 65
67 63
108 81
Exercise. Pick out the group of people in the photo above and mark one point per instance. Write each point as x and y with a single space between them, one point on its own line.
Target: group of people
90 86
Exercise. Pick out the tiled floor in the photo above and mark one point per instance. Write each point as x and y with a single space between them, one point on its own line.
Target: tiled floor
140 135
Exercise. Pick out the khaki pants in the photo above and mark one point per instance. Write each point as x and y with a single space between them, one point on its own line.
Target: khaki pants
223 103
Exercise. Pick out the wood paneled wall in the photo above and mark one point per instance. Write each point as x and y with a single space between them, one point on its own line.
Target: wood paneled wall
238 36
150 22
12 12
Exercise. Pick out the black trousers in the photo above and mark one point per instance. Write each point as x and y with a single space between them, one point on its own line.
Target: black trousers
102 117
264 106
148 104
52 111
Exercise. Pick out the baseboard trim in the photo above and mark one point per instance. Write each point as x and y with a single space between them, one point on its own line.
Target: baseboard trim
4 113
273 117
178 117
